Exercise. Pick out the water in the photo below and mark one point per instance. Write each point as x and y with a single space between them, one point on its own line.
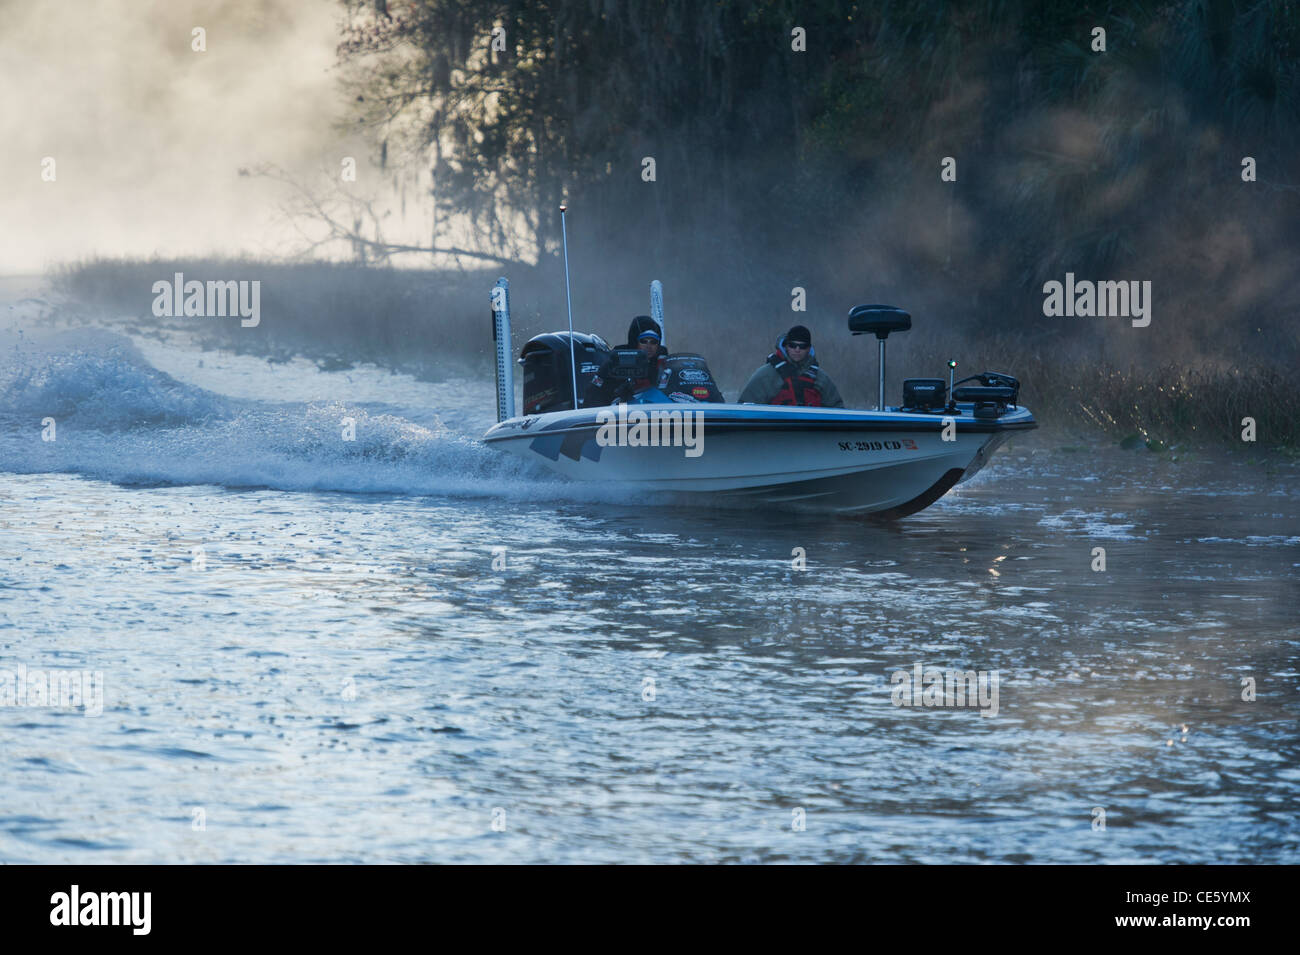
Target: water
308 655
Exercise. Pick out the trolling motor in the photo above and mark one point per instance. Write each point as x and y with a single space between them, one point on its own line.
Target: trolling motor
991 397
879 320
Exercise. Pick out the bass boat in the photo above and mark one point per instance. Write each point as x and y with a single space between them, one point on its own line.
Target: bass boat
681 436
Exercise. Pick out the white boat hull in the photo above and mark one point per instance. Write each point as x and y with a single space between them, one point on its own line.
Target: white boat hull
820 459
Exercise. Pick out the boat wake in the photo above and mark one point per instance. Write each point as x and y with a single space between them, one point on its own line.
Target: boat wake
89 403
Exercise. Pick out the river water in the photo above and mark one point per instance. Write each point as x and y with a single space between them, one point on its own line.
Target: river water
409 648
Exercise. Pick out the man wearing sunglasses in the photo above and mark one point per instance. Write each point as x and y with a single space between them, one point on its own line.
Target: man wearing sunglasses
791 376
605 389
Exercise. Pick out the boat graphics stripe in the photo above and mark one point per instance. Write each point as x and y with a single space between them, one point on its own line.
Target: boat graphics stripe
724 425
573 443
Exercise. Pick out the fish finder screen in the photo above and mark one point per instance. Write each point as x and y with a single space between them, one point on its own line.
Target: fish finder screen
630 363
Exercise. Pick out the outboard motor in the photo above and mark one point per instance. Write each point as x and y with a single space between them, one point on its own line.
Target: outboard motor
548 385
689 379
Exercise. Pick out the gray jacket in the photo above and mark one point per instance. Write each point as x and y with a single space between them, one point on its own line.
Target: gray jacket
779 377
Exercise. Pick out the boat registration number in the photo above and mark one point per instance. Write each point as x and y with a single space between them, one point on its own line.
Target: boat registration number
874 445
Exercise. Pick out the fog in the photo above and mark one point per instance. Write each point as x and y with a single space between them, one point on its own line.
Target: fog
149 136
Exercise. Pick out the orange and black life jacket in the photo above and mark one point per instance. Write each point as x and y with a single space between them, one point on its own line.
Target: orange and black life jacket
799 388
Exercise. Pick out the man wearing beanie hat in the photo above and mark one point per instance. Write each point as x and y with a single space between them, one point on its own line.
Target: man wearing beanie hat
790 376
644 333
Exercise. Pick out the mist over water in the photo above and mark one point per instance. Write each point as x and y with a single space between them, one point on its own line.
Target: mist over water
148 135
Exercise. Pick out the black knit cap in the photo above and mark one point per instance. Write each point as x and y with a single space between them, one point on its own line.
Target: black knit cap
643 325
799 334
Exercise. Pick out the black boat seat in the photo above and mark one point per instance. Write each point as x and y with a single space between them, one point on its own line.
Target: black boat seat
878 320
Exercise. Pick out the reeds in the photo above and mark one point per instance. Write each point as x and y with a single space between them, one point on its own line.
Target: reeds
334 313
1168 403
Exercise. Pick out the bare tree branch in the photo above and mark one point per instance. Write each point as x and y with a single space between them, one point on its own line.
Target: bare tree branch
318 209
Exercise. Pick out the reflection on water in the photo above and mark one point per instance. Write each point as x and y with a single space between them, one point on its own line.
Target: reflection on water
348 678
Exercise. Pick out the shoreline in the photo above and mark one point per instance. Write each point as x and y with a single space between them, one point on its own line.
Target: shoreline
338 314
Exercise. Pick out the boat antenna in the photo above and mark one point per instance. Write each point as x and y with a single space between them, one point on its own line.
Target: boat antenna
657 306
568 295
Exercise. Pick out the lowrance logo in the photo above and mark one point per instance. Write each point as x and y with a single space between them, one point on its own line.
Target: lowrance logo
102 908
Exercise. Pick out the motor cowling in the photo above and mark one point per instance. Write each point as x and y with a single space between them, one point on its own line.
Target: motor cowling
548 381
